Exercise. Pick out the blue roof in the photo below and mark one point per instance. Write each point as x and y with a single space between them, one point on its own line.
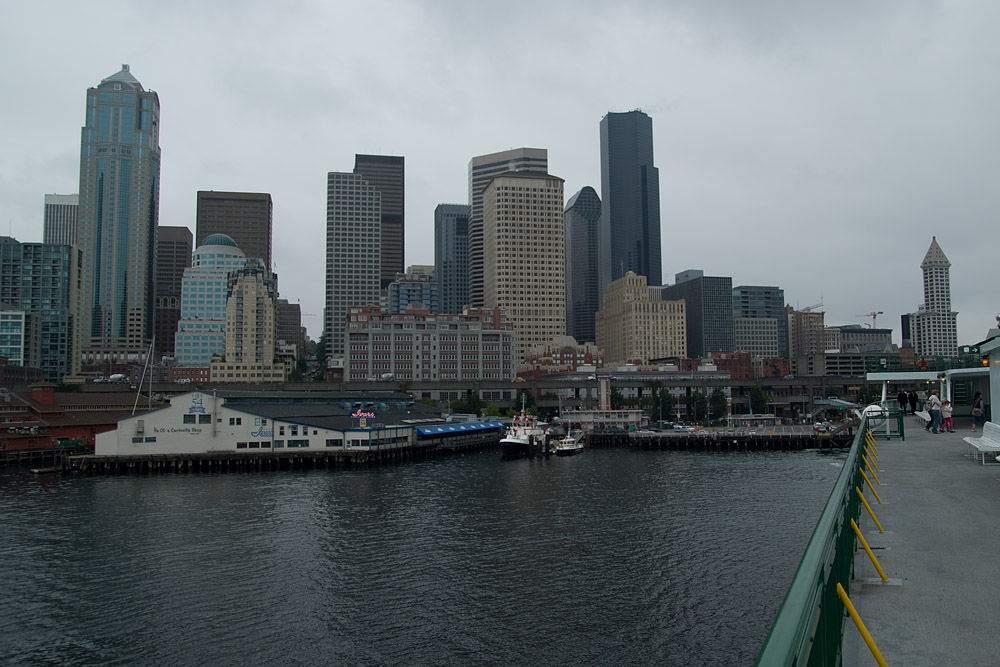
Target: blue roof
456 428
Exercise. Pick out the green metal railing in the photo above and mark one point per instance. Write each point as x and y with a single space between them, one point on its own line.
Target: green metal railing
809 627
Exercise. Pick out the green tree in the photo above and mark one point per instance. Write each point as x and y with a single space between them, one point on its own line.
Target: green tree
697 406
758 400
321 350
617 400
719 405
668 404
491 410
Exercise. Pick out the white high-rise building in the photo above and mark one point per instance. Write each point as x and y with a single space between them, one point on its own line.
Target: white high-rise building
935 325
59 225
482 169
353 253
524 256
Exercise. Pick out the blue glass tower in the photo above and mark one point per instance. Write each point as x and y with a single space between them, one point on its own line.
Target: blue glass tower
201 330
117 218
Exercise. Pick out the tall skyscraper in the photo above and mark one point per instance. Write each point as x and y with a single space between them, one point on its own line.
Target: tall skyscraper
934 327
583 293
709 310
117 219
524 256
245 217
451 256
41 280
481 170
173 256
353 252
201 330
386 174
60 219
630 200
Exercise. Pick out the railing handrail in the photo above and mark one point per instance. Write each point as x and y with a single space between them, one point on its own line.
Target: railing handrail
810 617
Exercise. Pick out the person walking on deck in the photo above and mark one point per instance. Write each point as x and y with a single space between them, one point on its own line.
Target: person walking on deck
946 423
978 411
933 407
901 399
912 395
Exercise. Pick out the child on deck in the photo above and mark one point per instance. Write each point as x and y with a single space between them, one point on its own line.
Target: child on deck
946 423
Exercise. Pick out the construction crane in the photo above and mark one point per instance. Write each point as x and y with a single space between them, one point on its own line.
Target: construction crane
813 307
874 314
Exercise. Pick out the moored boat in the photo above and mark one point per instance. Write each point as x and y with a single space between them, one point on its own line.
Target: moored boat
570 445
524 434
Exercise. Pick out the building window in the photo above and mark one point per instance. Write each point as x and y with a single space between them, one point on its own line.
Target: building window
204 419
188 419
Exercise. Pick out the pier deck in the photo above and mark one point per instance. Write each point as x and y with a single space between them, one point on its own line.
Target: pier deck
941 515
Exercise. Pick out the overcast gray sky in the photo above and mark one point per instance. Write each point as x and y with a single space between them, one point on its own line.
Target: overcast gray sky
816 146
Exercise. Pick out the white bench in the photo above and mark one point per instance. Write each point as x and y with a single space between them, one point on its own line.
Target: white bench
987 444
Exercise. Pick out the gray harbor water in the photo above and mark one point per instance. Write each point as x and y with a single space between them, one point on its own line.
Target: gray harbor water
611 557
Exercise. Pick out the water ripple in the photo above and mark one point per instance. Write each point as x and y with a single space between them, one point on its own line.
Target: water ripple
613 556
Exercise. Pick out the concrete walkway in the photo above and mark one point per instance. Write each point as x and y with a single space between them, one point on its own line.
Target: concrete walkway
941 547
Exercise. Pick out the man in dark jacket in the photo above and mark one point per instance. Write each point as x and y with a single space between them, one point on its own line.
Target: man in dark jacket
901 399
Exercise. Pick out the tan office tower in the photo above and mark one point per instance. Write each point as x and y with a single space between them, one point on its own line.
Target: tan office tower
482 169
524 256
245 217
251 297
633 326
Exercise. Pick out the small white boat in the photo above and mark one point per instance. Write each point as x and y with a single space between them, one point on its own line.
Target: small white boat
570 445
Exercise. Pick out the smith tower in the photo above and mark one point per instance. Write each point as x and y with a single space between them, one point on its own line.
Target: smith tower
630 200
117 218
935 330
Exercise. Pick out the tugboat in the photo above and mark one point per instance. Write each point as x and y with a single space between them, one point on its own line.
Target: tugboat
524 434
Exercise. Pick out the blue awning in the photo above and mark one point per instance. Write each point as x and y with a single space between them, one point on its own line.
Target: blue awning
457 428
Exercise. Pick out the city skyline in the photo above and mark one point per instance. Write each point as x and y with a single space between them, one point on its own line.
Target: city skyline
795 146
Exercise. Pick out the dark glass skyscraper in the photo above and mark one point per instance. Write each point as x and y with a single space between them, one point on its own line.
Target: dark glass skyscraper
117 219
173 256
630 197
245 217
709 303
583 293
451 256
386 174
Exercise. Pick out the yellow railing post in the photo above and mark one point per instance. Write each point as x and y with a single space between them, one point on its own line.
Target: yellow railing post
870 461
873 449
870 472
842 594
870 439
872 488
869 508
868 549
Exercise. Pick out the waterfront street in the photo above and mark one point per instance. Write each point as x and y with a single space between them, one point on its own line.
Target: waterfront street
941 515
